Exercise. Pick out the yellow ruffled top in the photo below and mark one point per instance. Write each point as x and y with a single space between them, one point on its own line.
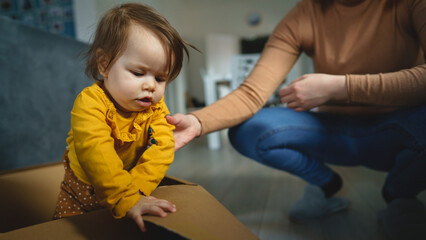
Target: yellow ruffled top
112 153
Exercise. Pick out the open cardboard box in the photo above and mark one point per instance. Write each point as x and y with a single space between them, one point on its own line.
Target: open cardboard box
29 198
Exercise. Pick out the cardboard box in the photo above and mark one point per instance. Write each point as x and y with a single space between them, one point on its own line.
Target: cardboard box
29 198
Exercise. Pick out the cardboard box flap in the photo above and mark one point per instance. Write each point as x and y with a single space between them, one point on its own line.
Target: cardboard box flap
199 216
95 225
170 180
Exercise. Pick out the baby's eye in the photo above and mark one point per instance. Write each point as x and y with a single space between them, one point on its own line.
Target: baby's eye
160 79
137 74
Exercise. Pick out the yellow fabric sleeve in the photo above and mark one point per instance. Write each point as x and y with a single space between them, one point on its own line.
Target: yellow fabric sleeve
154 162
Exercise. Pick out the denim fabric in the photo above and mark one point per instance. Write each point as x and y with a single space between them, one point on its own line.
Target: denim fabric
301 142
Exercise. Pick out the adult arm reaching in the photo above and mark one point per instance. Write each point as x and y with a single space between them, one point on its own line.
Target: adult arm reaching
361 78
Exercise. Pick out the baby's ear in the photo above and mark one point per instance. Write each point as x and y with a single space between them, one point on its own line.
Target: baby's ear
102 60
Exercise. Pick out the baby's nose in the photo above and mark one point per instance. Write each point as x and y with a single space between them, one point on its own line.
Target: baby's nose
149 84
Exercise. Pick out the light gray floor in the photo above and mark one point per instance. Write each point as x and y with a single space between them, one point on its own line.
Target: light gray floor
260 196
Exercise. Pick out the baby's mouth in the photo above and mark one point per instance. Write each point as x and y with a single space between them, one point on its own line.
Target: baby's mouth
145 102
145 99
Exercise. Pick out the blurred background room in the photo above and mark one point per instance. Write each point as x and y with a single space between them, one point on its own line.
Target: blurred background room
42 44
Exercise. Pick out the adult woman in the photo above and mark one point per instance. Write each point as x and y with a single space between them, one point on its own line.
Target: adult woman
371 98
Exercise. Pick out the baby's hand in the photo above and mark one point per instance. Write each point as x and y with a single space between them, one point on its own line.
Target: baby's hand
149 205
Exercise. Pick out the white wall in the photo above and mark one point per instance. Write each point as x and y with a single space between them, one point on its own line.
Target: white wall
198 18
195 19
85 19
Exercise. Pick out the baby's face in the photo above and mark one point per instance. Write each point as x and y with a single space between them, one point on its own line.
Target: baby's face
137 79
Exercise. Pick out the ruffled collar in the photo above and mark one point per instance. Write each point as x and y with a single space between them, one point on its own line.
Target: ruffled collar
138 121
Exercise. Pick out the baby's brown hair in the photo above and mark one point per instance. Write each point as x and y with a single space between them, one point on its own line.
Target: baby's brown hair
112 33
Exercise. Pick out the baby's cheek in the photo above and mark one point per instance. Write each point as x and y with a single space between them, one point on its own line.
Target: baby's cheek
158 95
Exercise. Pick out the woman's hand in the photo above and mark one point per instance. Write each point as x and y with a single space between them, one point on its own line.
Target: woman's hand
152 206
187 128
312 90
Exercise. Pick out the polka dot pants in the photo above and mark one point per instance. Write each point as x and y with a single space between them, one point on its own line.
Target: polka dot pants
75 197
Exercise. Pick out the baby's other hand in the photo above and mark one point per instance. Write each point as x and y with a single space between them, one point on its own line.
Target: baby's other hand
152 206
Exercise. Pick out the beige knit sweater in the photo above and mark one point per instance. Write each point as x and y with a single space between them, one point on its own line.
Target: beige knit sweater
378 44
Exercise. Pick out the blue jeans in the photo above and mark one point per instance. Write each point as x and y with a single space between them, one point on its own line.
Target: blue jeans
301 142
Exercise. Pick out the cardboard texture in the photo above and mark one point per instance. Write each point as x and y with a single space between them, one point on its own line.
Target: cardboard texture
29 199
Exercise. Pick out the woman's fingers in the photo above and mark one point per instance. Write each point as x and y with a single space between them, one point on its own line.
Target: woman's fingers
285 91
174 120
288 98
187 127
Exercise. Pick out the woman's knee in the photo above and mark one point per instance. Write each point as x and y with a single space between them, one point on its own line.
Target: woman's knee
242 140
411 121
266 150
250 143
263 130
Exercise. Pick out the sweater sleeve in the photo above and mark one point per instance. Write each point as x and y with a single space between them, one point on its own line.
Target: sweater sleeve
154 162
401 88
277 59
95 151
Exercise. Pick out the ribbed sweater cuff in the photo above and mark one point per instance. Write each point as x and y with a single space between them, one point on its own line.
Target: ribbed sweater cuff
201 115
